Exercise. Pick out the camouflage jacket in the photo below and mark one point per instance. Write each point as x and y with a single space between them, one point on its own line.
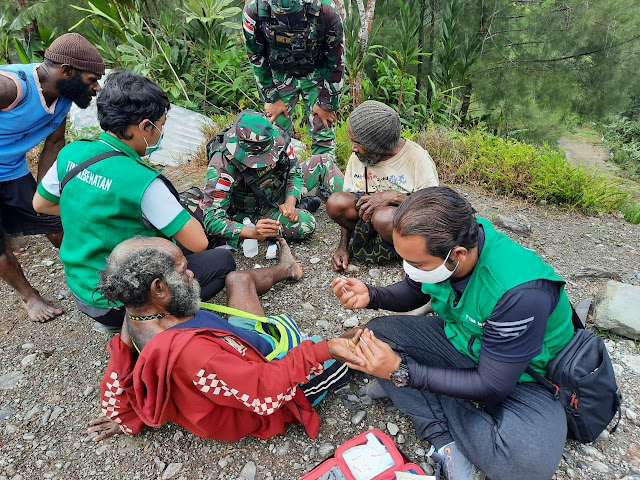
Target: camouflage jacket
223 179
325 33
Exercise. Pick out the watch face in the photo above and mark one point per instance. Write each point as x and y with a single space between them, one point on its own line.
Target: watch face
400 378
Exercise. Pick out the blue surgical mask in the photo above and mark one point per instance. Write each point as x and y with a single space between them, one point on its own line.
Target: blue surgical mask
152 148
437 275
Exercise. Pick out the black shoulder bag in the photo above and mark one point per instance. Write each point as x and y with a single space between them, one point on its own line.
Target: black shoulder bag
581 378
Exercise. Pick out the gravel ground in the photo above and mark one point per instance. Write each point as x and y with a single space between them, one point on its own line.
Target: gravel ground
50 373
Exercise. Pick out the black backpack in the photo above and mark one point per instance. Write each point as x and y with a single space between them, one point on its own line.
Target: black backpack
581 378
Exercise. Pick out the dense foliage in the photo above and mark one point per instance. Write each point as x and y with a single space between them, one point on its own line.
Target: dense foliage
623 135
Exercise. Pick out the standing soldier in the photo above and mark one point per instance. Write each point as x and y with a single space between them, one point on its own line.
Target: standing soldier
254 173
296 48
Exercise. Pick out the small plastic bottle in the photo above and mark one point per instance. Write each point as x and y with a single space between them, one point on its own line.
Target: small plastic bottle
249 245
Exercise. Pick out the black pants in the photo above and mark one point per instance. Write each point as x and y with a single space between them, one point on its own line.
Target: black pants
210 269
523 437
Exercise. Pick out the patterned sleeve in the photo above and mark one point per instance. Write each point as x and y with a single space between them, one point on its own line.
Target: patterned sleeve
331 78
296 181
217 191
114 401
261 387
258 52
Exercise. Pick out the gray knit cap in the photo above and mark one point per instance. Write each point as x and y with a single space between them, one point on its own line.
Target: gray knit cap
376 126
75 50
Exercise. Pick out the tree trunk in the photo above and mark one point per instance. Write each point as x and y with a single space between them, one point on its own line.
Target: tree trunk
432 38
423 8
466 101
366 23
30 29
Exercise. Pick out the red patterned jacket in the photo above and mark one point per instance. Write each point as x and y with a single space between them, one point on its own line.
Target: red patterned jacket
212 383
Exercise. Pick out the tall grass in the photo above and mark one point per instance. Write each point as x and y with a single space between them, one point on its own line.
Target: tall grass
510 167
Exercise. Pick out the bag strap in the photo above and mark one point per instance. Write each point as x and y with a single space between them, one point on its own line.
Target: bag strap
87 163
230 311
251 181
549 385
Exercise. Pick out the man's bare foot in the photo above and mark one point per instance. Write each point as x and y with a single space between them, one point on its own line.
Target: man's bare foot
287 260
39 310
17 244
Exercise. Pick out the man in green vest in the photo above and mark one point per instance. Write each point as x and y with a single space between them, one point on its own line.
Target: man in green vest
121 196
460 375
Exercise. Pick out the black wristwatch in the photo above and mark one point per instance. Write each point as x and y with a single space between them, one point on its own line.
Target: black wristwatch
400 377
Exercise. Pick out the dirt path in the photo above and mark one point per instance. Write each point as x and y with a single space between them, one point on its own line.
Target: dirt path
587 150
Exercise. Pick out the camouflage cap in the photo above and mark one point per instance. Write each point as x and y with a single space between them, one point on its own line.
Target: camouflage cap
286 6
254 140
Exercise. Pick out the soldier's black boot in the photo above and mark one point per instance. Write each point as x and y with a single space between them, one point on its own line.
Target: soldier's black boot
309 203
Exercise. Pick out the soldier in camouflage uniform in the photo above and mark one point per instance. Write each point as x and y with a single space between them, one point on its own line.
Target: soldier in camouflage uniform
296 48
253 172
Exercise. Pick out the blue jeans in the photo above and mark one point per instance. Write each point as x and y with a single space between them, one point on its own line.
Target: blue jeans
522 437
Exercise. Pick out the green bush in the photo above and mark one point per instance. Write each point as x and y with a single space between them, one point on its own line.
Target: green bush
509 167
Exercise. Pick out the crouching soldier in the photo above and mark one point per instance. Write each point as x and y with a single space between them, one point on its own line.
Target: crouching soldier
254 173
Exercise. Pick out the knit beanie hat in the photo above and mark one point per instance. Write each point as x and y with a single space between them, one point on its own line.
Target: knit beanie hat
376 126
75 50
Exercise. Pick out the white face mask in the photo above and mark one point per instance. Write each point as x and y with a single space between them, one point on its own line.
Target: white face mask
437 275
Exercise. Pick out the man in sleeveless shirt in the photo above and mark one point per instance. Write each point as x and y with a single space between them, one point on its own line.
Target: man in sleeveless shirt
34 102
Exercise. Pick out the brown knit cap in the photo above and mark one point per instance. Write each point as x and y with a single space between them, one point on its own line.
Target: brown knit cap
75 50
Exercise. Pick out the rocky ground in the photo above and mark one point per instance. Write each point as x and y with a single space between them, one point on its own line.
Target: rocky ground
50 373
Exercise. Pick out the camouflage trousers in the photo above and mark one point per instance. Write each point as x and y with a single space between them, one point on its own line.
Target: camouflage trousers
290 89
322 171
302 228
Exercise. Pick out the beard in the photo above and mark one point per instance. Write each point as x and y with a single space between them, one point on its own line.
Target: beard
75 90
369 158
185 296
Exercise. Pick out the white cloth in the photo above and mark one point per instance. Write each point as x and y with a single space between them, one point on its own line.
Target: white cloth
408 171
159 207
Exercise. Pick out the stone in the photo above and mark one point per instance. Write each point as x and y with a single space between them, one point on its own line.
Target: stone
323 324
618 369
615 309
353 268
6 412
32 413
177 436
351 322
223 462
9 380
48 263
28 346
581 465
596 272
510 223
400 439
582 309
172 470
393 429
314 260
49 475
45 416
28 436
630 414
307 306
604 436
600 467
571 473
160 465
283 449
87 391
248 471
375 273
29 359
353 398
55 414
631 361
325 449
359 417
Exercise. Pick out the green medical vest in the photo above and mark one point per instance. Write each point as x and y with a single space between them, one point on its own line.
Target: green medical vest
101 207
502 265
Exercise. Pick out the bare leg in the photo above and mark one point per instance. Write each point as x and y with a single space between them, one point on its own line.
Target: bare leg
38 309
382 220
245 286
55 239
16 244
341 208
